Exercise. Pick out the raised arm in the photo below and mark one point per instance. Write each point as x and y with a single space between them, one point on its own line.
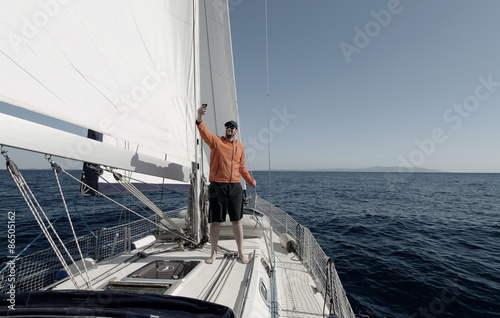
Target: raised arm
205 134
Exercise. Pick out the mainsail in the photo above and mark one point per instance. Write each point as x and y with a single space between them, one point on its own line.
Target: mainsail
124 69
134 71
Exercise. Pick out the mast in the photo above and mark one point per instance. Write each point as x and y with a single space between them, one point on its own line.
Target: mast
196 184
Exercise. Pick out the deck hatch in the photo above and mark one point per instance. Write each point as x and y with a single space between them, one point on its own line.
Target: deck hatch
161 269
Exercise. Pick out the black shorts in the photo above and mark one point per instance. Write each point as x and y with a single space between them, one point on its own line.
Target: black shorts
225 198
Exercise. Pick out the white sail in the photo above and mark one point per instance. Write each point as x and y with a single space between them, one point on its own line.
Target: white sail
217 72
125 69
134 71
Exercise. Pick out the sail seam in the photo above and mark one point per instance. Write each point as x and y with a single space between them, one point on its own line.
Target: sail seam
31 75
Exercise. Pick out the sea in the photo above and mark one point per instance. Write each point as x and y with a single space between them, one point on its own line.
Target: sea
404 244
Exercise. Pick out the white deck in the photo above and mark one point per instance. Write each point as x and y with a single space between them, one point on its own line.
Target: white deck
295 292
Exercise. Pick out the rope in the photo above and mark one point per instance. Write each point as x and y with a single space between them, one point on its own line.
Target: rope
141 197
130 210
74 203
268 91
31 243
37 212
56 168
202 205
99 171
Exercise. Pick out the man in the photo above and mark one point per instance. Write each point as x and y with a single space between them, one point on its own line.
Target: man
227 163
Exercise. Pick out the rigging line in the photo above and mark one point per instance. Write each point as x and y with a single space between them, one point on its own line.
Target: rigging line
139 195
124 193
268 94
160 187
56 169
271 246
130 210
32 203
31 243
74 203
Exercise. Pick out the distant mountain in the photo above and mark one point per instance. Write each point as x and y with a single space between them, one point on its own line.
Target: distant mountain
385 169
372 169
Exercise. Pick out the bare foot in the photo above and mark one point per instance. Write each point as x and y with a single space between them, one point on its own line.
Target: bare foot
243 259
211 260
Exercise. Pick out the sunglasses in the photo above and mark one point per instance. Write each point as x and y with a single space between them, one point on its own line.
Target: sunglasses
230 127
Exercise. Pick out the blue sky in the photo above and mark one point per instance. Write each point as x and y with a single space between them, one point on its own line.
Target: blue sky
356 84
371 83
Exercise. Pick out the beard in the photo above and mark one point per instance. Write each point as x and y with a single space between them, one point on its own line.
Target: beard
230 136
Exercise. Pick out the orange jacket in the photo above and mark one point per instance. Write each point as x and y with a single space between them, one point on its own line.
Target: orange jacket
227 159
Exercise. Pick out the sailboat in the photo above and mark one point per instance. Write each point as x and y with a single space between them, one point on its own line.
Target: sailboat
133 74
